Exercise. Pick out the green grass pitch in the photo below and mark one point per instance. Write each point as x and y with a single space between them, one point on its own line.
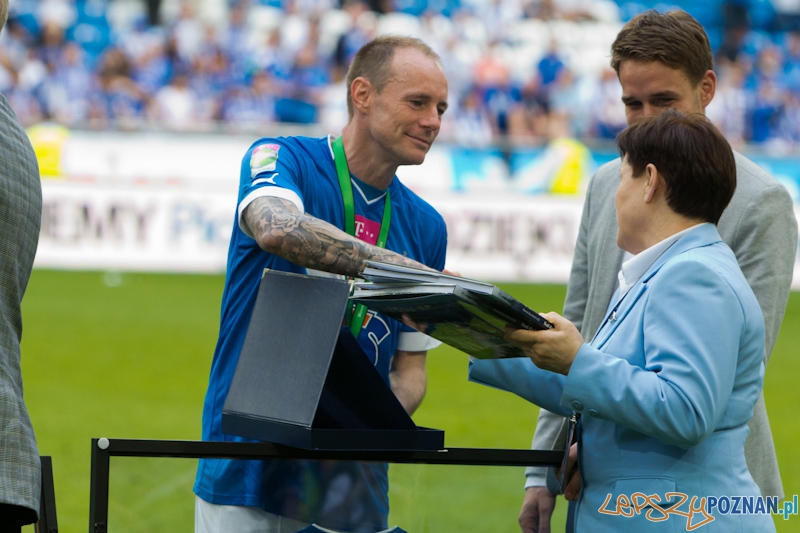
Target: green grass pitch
127 356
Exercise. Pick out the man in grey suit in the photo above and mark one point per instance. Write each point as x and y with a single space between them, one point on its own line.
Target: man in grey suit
20 219
663 61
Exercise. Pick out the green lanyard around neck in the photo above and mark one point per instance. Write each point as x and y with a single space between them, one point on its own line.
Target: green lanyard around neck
356 320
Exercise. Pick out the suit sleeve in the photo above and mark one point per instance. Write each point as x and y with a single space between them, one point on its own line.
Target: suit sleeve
578 286
692 329
520 376
766 246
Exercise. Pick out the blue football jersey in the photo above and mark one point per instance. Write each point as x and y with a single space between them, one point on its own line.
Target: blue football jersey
301 170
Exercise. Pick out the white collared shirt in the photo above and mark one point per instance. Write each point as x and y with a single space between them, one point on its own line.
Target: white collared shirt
634 266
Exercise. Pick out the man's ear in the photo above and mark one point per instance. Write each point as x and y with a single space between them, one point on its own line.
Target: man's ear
707 88
361 90
653 184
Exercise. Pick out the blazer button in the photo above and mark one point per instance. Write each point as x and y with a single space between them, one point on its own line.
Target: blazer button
593 413
577 405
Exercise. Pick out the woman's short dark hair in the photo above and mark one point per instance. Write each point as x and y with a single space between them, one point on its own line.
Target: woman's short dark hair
693 157
674 39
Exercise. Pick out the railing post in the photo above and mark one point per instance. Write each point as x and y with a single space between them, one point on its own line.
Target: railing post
98 493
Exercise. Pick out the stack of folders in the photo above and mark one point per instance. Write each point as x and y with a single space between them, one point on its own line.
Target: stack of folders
468 314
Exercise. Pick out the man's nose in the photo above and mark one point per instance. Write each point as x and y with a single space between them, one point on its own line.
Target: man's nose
649 110
431 118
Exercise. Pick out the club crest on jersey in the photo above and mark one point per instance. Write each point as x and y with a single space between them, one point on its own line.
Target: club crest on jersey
264 158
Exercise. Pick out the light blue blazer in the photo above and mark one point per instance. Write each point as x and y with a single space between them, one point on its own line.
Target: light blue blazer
665 390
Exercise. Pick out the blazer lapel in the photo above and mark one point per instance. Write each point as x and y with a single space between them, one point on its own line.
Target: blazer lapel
701 236
617 314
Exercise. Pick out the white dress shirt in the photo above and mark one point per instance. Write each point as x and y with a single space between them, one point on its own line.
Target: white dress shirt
634 266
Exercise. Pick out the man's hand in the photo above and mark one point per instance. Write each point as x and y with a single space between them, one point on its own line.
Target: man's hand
537 508
422 326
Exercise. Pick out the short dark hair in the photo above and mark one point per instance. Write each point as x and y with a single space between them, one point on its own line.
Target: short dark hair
374 61
674 39
693 157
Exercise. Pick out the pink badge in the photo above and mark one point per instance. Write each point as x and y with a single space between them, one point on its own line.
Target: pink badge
367 230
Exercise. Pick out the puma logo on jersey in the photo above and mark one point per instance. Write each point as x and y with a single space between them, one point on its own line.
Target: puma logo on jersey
270 180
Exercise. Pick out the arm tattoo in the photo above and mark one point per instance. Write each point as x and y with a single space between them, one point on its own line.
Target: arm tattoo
281 229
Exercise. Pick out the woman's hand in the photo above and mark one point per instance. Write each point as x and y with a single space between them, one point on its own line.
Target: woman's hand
550 349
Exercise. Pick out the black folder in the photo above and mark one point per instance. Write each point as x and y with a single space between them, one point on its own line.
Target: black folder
302 379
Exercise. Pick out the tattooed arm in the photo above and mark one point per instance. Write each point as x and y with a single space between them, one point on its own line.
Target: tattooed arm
281 229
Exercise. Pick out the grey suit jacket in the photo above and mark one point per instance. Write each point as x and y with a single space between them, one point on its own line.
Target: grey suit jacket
758 224
20 219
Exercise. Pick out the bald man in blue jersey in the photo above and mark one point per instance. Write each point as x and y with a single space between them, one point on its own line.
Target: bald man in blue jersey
292 208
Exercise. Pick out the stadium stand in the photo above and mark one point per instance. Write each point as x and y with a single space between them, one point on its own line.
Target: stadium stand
524 70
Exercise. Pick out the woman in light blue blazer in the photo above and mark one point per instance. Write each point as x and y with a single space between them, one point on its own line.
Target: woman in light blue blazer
665 389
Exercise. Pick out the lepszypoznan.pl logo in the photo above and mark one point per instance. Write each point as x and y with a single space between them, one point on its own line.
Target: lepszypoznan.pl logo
696 510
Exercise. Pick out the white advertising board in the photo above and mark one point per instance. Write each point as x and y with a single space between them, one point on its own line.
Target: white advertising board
167 203
113 226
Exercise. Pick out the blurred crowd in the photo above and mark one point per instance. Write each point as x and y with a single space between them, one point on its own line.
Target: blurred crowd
522 71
